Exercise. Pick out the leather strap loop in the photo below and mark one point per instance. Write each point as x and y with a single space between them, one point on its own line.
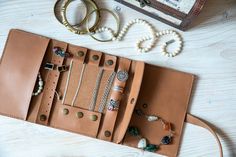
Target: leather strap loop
50 87
198 122
111 115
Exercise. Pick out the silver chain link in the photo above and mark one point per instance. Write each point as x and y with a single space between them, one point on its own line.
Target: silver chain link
106 92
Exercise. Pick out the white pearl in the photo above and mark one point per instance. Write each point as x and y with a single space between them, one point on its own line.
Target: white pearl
41 83
142 143
146 49
152 118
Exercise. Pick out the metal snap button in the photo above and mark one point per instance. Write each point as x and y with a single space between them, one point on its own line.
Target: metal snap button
107 133
95 57
79 114
80 54
65 111
109 62
94 117
43 117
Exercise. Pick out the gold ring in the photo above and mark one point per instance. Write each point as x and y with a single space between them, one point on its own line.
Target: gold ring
57 8
77 30
117 18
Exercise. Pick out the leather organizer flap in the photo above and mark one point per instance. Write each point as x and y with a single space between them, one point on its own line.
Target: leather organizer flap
18 72
166 94
163 91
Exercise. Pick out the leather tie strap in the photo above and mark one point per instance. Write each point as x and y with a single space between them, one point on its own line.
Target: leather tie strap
198 122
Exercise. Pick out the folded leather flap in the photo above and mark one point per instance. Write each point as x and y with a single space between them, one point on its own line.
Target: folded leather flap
164 93
132 99
19 68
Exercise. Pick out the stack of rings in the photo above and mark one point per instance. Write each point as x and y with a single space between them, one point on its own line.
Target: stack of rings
118 34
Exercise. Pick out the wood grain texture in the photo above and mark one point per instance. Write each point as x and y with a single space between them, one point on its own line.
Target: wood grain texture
209 53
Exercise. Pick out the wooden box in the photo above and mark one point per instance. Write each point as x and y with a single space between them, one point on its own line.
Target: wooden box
177 13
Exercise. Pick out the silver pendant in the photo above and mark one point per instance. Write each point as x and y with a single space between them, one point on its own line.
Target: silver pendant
122 76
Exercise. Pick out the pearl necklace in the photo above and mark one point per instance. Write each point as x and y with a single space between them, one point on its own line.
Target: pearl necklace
40 86
153 37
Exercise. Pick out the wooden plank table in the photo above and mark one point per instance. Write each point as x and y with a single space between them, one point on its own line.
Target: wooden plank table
209 53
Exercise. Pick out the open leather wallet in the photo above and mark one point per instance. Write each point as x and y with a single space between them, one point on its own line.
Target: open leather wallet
92 93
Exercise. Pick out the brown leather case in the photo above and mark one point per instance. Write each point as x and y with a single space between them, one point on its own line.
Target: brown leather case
166 92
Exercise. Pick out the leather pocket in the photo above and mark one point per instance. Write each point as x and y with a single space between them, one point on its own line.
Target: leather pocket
18 71
164 93
77 120
132 96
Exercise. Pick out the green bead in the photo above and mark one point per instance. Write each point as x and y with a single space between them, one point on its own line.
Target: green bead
133 131
151 148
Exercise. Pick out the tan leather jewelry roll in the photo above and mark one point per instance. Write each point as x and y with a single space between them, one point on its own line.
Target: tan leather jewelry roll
93 93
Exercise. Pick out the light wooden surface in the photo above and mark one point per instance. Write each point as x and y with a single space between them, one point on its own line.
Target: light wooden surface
209 53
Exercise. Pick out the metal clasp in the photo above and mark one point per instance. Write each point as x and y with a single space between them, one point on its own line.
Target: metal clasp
62 68
144 3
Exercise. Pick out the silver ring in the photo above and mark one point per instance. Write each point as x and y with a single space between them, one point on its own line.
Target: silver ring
118 89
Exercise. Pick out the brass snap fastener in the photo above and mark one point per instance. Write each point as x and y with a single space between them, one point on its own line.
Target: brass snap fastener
107 133
95 57
43 117
109 62
80 54
94 117
79 114
65 111
145 105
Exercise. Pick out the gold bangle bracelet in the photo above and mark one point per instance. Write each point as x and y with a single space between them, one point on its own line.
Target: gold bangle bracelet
77 30
117 18
57 12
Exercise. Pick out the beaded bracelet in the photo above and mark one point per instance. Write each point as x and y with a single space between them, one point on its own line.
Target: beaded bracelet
143 144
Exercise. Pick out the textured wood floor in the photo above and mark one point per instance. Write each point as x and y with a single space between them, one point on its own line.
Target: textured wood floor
209 53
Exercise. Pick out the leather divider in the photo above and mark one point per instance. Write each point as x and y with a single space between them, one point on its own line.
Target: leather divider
109 120
50 84
83 125
89 79
19 69
107 65
78 61
108 70
133 96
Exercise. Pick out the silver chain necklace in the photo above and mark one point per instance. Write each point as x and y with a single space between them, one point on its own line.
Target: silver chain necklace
106 92
95 91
